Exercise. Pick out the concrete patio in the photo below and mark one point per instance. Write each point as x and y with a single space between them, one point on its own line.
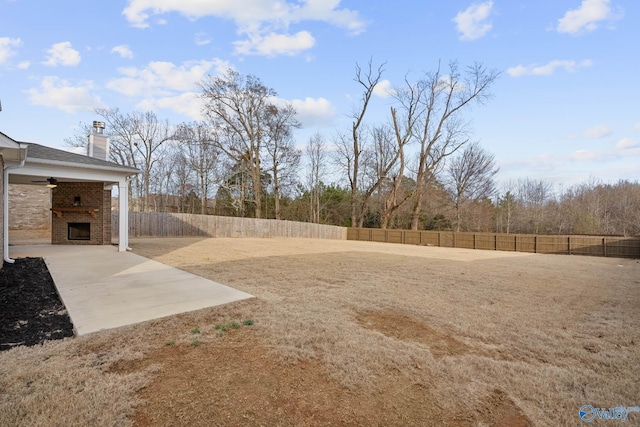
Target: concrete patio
103 288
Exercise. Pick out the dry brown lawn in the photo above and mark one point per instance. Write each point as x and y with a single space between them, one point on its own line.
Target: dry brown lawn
351 333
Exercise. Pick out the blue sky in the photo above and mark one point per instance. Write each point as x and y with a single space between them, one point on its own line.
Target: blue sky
565 108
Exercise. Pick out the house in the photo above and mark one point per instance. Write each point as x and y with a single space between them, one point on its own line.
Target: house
80 189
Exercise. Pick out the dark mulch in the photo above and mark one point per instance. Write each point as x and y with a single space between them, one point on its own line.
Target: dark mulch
30 309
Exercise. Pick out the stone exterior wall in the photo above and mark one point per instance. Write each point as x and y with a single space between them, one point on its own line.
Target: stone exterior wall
30 208
95 209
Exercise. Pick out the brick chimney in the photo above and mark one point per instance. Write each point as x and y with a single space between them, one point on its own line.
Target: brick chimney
98 146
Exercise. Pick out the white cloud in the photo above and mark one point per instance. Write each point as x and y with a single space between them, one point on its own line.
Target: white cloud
541 163
187 103
597 132
24 65
384 89
122 50
625 148
265 23
7 48
312 111
626 143
166 85
249 12
62 54
586 17
447 83
201 39
473 23
272 45
164 78
548 69
57 93
637 127
587 155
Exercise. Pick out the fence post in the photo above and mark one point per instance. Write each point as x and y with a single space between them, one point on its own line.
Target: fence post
495 242
474 240
535 244
604 247
569 239
439 239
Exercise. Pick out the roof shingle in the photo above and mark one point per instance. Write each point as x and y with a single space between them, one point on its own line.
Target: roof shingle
42 152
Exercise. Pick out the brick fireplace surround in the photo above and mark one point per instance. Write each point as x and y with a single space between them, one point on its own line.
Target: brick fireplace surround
81 202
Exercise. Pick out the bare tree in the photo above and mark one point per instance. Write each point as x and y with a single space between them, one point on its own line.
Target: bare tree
623 210
240 106
350 148
470 177
402 132
135 139
506 208
283 157
199 146
235 187
433 107
80 136
179 181
159 178
316 155
533 196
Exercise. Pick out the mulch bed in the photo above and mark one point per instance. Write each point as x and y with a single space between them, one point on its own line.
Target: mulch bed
31 311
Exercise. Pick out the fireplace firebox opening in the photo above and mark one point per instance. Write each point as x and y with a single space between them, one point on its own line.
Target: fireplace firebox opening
79 231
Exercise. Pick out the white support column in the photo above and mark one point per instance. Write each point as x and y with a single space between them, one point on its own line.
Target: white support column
22 155
5 216
123 215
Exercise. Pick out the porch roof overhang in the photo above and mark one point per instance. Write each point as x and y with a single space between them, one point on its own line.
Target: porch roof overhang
44 162
12 152
26 162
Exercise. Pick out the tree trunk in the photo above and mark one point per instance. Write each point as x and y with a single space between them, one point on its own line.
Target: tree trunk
415 211
203 196
276 193
146 190
257 193
385 219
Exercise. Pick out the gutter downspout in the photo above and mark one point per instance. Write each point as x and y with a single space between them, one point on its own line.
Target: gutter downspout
5 206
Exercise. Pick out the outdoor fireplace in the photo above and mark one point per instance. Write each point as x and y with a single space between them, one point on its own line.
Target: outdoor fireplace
81 214
79 231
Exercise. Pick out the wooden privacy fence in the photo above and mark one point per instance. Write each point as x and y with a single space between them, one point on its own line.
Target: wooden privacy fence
620 247
163 224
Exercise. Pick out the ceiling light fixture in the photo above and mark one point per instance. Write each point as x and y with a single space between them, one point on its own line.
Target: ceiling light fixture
52 183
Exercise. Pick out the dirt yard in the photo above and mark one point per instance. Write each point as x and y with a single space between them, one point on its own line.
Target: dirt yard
351 333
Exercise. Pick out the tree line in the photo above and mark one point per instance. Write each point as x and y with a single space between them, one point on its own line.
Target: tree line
417 169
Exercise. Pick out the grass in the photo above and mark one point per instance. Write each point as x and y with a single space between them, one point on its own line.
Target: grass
429 330
227 326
